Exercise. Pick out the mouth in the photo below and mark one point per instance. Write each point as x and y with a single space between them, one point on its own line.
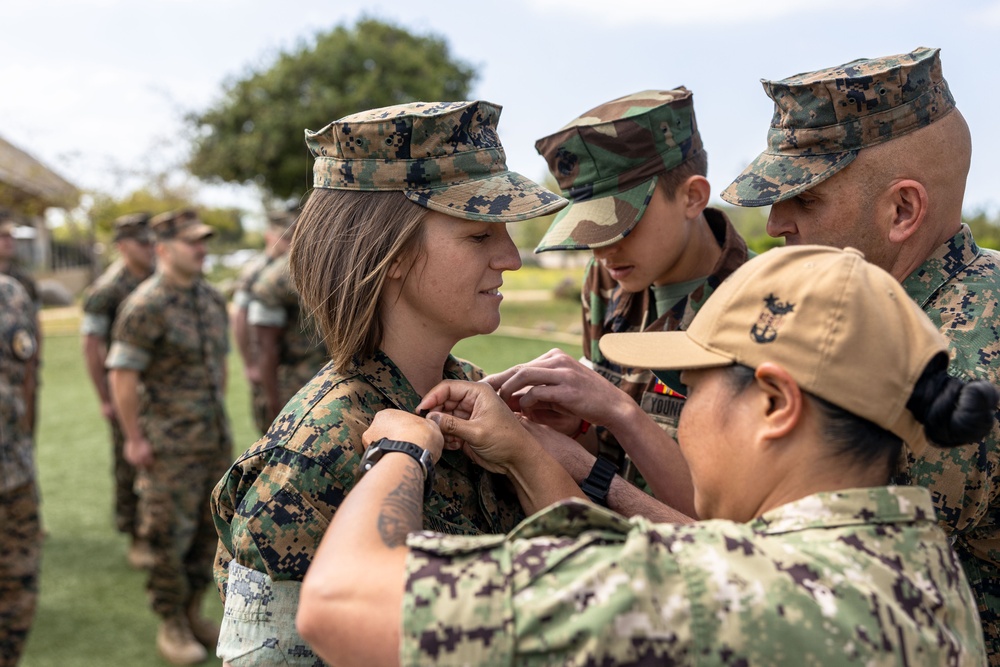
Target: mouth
619 271
493 291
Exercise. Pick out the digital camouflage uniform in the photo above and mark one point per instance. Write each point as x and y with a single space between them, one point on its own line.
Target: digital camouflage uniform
20 529
609 309
177 338
854 577
608 162
275 303
242 295
821 121
273 506
23 276
958 287
101 302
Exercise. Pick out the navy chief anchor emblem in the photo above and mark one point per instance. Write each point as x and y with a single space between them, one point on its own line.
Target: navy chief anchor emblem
766 328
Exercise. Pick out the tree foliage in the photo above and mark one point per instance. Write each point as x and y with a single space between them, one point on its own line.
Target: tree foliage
254 134
227 222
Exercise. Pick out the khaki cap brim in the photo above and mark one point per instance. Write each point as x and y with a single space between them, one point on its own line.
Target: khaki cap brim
595 223
660 350
503 197
773 177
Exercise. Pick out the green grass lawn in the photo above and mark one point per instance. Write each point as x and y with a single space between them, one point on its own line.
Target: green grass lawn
93 609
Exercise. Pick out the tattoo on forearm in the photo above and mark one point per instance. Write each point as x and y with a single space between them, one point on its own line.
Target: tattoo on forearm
401 509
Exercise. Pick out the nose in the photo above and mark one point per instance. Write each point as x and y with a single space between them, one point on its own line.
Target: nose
507 257
780 222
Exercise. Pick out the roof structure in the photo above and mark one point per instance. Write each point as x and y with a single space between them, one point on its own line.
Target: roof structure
29 186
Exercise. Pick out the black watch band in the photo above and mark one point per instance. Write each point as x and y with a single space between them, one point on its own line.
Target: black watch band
378 449
599 480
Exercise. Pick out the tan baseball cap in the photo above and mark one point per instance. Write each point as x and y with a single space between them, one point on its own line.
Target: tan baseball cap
843 328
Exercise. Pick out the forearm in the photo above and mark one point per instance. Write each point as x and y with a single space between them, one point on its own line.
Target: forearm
657 456
94 353
351 602
541 481
124 385
269 341
241 333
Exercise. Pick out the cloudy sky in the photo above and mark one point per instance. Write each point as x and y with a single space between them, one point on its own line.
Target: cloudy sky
97 89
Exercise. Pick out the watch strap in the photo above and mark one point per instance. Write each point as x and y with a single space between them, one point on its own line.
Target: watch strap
380 448
598 482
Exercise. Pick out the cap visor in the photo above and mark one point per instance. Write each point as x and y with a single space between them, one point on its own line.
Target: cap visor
659 350
599 222
196 233
773 177
503 197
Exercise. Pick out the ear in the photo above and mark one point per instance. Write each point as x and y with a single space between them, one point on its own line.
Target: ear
782 401
695 191
398 267
908 199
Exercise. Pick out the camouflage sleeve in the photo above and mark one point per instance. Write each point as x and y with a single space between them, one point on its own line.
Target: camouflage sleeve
124 355
260 315
140 322
241 298
95 325
587 294
258 624
571 585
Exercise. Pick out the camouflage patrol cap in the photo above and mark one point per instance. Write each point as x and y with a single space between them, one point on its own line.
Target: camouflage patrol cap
182 225
445 156
821 313
133 226
607 162
822 119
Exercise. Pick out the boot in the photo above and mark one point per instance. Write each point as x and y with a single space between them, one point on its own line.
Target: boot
176 643
203 629
140 556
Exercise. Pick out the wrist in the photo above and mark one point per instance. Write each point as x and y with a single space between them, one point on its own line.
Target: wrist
598 482
380 448
582 429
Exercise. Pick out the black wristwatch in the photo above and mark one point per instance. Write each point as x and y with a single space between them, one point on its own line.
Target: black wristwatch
599 480
378 449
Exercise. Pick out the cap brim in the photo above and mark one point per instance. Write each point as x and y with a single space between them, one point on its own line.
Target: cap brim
196 233
659 350
595 223
503 197
774 177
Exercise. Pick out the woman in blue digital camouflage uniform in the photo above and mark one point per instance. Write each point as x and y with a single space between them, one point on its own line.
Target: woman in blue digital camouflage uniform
822 367
397 255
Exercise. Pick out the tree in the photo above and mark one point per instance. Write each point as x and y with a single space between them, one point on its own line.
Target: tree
226 222
254 134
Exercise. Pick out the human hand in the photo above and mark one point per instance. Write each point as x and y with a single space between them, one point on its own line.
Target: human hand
557 390
139 453
253 373
108 410
473 418
400 425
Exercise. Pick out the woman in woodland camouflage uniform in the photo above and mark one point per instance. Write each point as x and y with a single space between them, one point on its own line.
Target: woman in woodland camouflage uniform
397 255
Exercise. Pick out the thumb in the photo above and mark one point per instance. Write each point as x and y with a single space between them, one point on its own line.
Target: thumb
452 426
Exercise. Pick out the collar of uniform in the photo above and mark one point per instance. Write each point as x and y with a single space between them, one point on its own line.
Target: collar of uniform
848 507
948 260
385 376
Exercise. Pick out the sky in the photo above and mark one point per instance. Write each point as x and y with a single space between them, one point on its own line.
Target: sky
98 89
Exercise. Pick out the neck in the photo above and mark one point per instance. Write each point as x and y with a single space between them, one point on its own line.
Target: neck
915 253
5 265
700 256
422 365
176 278
137 270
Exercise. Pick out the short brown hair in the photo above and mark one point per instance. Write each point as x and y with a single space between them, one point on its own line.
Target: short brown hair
344 243
696 165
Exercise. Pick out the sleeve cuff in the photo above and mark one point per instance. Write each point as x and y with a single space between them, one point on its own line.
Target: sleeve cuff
95 325
264 316
126 355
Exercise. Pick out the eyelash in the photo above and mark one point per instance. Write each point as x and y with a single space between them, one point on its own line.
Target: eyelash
479 238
